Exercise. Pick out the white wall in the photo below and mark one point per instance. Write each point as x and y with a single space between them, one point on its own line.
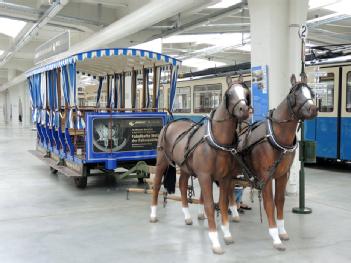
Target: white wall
10 99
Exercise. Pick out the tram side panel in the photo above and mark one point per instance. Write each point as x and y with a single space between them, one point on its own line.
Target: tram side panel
345 125
324 129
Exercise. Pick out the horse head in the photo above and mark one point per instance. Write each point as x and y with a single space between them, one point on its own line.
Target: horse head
237 99
301 99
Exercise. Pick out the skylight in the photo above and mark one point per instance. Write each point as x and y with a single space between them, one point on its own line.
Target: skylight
1 52
212 39
246 48
11 27
342 7
225 4
200 64
153 45
312 4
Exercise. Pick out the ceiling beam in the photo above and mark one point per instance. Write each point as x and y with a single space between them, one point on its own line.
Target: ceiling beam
237 8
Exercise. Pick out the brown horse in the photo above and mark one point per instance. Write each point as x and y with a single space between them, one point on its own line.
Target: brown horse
205 152
268 150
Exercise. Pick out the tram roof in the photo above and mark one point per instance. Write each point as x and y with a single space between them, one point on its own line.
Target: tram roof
108 61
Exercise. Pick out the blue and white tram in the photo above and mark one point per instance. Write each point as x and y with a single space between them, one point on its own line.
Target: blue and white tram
86 112
196 97
332 128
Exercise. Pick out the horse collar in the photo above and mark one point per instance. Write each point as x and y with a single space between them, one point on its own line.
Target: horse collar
212 142
273 140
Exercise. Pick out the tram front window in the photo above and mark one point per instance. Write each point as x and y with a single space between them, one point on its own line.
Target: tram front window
348 91
327 96
182 100
207 97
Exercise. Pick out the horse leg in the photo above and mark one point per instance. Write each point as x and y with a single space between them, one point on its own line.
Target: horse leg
206 190
224 188
161 167
269 207
232 204
183 187
201 213
279 199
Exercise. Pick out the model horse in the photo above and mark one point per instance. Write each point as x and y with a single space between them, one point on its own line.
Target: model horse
204 151
267 150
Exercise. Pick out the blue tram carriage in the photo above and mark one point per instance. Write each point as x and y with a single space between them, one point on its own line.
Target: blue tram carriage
332 128
87 114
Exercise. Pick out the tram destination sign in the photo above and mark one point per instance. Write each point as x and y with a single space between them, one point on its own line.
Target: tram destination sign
125 134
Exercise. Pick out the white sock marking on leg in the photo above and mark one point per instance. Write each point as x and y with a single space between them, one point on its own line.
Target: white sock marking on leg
153 211
201 209
273 232
225 229
280 225
214 239
234 210
186 213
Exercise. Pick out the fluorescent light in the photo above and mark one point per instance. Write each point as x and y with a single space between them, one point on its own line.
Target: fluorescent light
199 63
246 48
1 52
312 4
343 7
153 45
225 4
212 39
11 27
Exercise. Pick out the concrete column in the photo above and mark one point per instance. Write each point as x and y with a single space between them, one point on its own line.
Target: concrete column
275 42
297 16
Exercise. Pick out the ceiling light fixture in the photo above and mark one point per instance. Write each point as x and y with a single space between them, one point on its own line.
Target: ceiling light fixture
11 27
225 4
200 64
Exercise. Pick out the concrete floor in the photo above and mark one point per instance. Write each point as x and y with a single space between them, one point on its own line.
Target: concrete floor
44 218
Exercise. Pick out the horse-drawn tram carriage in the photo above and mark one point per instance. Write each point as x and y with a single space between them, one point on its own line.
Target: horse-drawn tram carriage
87 116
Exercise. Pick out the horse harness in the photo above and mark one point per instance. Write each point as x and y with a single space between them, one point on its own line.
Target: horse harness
240 155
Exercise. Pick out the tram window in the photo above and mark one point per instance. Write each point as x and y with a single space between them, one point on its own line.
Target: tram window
348 91
182 100
207 97
327 96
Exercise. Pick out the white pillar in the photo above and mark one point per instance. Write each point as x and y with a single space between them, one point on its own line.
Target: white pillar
276 44
297 16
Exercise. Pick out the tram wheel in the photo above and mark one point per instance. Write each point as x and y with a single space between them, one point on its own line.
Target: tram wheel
53 170
81 182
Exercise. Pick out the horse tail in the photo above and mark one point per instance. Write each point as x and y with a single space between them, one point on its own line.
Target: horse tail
170 177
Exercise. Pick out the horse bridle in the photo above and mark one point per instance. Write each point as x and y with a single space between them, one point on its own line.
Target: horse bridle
291 104
231 113
291 100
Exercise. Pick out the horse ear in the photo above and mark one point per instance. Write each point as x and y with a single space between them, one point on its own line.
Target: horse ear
241 79
303 77
293 80
229 81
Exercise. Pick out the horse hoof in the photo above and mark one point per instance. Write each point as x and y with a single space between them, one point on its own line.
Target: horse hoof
284 237
228 240
279 247
235 219
217 250
201 217
188 221
153 220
